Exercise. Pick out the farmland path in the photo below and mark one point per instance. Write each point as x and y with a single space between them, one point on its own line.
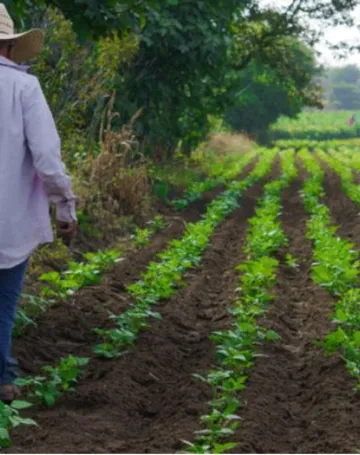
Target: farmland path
297 400
148 401
67 328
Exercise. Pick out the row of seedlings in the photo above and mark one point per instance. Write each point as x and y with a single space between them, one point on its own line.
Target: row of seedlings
87 273
162 278
335 268
60 286
225 176
237 347
345 173
159 282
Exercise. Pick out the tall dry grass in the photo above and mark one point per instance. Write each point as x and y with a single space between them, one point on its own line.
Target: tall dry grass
224 143
118 184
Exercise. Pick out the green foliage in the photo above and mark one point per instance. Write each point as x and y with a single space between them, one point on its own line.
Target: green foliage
336 267
57 380
157 224
10 418
35 305
181 62
344 171
236 347
79 275
291 261
267 88
316 125
162 278
178 92
78 80
221 174
141 237
342 87
91 19
346 338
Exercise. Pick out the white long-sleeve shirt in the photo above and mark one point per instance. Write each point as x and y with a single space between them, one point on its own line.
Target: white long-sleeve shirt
32 173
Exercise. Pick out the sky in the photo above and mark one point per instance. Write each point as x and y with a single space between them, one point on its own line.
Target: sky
334 35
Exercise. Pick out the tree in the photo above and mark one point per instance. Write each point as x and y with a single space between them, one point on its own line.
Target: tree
271 87
345 96
182 60
186 51
348 74
342 87
91 19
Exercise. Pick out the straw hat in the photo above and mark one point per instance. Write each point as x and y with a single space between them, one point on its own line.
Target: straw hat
25 45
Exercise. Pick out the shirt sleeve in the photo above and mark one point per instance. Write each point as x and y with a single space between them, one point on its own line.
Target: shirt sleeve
45 147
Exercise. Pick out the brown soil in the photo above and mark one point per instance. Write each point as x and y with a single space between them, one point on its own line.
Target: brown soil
147 401
342 208
299 401
84 243
68 327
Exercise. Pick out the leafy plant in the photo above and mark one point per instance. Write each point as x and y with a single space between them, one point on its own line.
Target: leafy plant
157 224
291 261
56 381
10 418
224 174
79 275
141 237
335 267
161 279
236 347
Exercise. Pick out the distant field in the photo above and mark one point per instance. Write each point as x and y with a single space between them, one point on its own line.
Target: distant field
319 125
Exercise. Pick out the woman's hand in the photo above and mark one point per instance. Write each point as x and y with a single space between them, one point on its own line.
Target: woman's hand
66 231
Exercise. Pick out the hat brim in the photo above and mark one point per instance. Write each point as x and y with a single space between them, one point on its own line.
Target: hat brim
27 45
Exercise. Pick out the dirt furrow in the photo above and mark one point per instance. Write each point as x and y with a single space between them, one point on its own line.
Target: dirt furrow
68 327
297 400
345 213
148 401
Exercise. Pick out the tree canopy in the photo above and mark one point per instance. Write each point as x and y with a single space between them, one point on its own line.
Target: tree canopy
342 87
194 56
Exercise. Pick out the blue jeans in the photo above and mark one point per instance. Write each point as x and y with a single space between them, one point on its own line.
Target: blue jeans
11 282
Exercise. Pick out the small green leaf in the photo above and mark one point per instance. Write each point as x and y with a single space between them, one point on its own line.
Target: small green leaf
271 335
20 405
4 434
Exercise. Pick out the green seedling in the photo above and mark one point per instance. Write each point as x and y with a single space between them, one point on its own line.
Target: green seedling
236 347
335 267
56 381
10 418
291 261
79 275
163 278
157 224
141 237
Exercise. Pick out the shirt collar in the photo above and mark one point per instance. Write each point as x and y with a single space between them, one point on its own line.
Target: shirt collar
6 62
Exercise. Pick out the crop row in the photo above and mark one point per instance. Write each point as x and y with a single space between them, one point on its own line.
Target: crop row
335 268
236 347
159 282
334 144
62 285
79 275
162 278
348 156
316 125
196 189
345 173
